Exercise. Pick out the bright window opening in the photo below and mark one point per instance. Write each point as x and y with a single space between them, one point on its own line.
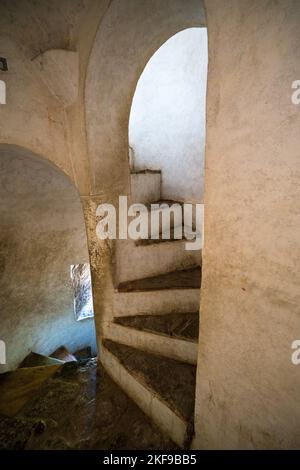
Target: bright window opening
82 285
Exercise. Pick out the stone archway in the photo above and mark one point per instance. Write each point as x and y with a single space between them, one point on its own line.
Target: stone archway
167 116
42 234
127 38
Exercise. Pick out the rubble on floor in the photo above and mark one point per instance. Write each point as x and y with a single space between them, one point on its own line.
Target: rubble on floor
79 407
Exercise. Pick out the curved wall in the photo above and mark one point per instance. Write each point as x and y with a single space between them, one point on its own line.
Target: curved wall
248 389
42 232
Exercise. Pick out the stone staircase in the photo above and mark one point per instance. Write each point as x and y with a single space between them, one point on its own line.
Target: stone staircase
150 342
149 349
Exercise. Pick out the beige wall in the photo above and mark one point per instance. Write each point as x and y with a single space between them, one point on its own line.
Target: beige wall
248 389
33 116
36 120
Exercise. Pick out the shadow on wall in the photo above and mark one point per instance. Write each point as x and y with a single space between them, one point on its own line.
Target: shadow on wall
167 119
42 233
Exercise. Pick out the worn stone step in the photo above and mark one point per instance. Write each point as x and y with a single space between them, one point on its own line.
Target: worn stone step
156 302
167 214
162 387
145 186
183 326
185 279
181 349
34 359
63 354
142 260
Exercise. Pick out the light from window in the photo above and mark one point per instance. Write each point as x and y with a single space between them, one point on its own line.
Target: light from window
82 285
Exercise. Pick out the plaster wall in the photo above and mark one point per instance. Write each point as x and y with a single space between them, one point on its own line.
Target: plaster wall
167 118
42 232
33 116
35 119
248 389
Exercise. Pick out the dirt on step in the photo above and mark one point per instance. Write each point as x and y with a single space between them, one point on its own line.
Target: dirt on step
80 407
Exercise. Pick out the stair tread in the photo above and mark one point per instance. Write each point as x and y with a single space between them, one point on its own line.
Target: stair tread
186 279
176 325
34 359
63 355
173 381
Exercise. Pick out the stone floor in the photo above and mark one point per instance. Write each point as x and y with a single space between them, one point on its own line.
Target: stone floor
80 407
186 279
172 380
176 325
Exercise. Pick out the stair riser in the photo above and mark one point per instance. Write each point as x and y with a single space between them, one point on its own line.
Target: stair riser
164 219
157 302
145 187
160 223
138 262
185 351
154 408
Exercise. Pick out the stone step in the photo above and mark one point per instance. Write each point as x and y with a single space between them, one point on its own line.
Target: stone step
166 214
145 186
173 335
148 258
176 292
63 355
34 359
162 387
163 237
184 326
156 302
183 279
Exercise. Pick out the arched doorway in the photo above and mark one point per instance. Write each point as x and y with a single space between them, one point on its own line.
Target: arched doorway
167 118
42 235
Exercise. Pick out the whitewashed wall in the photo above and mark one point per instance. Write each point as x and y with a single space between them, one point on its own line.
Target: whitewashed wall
167 120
